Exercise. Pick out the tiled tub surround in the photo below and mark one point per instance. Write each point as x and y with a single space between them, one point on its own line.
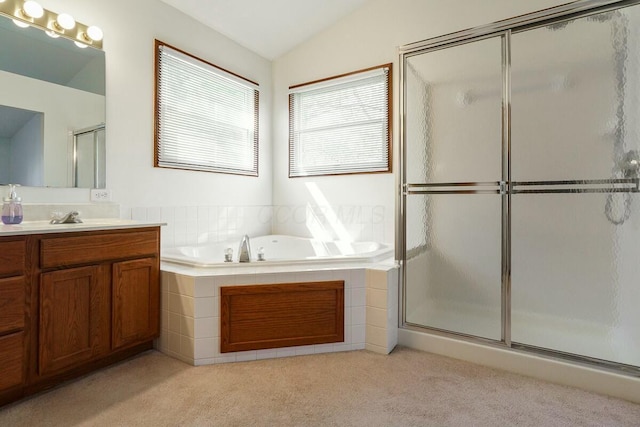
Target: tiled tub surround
190 309
196 225
358 223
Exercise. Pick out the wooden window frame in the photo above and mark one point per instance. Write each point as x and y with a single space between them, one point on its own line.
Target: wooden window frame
389 148
156 151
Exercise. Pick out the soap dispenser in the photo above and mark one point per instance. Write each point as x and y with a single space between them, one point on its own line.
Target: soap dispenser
12 207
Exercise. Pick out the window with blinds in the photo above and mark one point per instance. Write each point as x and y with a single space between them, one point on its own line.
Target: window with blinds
206 118
341 125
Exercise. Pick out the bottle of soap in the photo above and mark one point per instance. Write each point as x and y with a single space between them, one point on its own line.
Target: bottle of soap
12 207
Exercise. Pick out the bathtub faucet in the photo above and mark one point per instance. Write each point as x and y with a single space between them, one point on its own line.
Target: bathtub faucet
244 252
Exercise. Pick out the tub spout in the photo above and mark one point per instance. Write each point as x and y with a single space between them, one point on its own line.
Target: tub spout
244 253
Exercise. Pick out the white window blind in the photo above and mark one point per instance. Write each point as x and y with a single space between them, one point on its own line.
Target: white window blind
206 117
341 125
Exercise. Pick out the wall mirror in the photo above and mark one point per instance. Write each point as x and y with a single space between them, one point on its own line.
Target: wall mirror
52 93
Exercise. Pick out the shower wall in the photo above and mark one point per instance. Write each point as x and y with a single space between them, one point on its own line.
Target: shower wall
573 118
454 136
574 256
90 159
625 336
563 128
370 36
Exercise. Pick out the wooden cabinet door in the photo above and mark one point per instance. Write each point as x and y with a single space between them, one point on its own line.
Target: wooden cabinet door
136 302
11 360
12 300
74 317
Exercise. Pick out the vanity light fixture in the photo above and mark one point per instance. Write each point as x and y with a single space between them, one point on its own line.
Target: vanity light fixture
20 23
30 13
94 33
64 21
32 9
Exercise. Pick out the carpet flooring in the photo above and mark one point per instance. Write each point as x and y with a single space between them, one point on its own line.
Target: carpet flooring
358 388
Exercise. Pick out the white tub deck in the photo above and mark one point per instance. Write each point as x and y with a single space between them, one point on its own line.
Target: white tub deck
190 304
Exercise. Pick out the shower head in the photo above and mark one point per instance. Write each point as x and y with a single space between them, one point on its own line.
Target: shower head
630 164
558 25
604 16
597 17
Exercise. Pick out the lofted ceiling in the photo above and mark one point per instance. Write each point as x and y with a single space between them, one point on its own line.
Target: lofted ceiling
268 27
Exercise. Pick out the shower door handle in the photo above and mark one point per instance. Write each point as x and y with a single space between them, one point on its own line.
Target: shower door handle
616 185
493 187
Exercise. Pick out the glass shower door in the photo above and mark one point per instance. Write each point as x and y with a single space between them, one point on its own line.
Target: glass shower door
451 188
89 165
575 251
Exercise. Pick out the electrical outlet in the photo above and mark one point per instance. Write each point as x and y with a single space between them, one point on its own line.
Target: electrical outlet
100 195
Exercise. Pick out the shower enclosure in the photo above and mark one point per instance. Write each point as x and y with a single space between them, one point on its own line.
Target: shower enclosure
519 206
89 157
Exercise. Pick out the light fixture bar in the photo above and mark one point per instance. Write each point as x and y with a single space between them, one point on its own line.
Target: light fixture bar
13 9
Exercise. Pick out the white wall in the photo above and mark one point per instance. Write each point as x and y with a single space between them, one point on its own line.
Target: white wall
26 153
88 78
21 155
130 29
567 264
370 36
81 109
5 150
360 207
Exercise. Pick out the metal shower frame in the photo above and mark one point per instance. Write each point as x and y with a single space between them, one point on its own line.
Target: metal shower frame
505 187
97 171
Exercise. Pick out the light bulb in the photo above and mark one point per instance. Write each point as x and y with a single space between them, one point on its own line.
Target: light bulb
95 33
52 34
33 9
80 45
66 21
20 23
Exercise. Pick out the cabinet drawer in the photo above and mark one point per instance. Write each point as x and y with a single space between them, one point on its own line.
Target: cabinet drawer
12 257
11 304
95 248
11 360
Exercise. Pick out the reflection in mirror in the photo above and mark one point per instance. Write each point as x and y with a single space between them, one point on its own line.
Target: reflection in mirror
50 90
21 146
89 158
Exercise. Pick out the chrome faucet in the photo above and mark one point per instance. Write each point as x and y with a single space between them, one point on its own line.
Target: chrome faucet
244 252
72 217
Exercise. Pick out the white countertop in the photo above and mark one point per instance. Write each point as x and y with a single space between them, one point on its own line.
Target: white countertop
93 224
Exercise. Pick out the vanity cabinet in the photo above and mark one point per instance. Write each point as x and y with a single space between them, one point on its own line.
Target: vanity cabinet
11 361
75 301
12 314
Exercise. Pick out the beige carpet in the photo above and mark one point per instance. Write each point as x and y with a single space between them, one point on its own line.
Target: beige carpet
360 388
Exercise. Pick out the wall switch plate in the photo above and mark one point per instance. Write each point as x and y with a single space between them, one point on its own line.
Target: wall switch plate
100 195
